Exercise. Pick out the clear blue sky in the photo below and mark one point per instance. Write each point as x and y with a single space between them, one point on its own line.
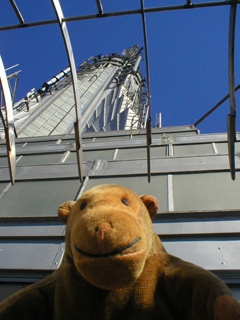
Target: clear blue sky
188 52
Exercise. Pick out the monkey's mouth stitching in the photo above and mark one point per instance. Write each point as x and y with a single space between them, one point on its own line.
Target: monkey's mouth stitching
106 255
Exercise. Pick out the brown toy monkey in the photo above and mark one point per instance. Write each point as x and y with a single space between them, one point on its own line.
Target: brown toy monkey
115 267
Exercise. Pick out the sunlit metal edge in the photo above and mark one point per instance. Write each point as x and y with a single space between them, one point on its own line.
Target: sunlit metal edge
17 11
99 6
9 122
68 46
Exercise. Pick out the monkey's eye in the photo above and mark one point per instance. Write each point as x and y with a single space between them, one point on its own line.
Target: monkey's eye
124 201
83 205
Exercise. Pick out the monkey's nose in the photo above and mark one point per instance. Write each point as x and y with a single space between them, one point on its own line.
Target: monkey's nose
101 229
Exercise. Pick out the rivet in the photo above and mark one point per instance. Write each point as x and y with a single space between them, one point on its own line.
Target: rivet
56 263
223 263
219 248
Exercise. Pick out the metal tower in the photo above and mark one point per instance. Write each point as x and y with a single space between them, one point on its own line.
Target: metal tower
111 97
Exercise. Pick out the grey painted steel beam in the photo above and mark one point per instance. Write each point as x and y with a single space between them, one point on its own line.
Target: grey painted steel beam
211 229
170 165
231 120
50 146
9 122
193 164
30 255
200 216
136 133
77 126
29 230
107 145
207 253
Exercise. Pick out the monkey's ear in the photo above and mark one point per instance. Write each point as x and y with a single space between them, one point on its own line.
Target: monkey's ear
64 210
151 204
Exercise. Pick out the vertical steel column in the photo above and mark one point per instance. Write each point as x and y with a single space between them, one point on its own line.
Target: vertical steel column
231 120
9 124
148 124
77 125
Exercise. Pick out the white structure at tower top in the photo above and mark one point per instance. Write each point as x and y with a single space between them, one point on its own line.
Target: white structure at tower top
111 95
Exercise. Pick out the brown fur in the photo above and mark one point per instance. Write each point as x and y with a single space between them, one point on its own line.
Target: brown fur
115 267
